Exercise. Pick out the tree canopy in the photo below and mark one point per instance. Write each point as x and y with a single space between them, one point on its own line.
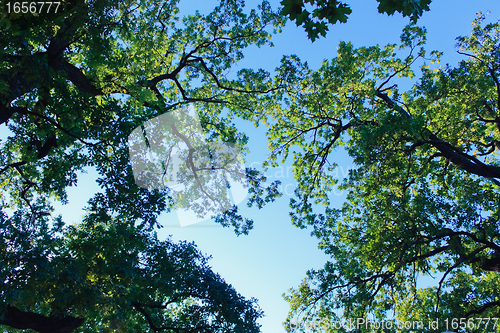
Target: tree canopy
423 199
108 277
73 87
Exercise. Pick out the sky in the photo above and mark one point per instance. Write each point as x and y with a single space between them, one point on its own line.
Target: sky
276 255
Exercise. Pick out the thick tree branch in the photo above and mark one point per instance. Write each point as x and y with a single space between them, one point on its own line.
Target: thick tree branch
13 165
78 78
15 318
456 156
483 308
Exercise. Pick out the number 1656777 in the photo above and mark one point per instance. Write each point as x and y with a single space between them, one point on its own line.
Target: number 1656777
33 7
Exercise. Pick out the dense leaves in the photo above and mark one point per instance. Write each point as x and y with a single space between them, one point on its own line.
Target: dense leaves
333 11
73 86
112 276
418 236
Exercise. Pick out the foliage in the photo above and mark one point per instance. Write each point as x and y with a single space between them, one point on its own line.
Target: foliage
418 236
73 86
118 278
333 11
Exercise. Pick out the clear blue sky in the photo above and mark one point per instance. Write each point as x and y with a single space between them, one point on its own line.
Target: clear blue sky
276 255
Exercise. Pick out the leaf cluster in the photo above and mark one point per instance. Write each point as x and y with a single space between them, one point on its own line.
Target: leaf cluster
326 12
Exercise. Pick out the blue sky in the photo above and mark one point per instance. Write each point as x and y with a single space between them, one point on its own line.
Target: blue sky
275 255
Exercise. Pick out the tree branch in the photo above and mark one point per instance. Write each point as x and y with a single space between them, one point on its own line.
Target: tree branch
15 318
139 307
456 156
483 308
